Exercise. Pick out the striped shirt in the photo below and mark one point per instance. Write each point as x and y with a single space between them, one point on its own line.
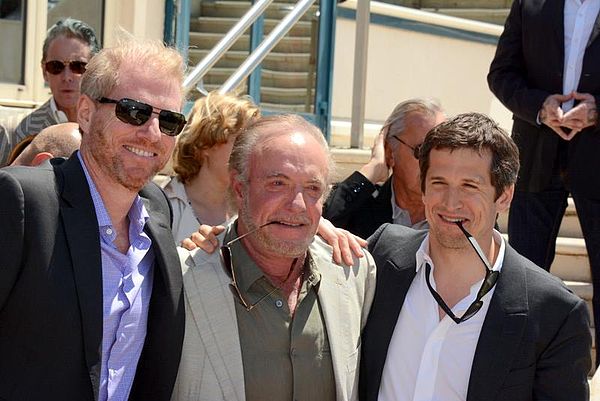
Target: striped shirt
42 117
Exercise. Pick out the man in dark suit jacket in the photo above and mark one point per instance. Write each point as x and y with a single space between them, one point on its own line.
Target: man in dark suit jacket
91 303
359 204
546 72
453 322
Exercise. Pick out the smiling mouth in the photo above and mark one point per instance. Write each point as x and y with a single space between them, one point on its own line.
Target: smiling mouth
287 224
139 152
452 220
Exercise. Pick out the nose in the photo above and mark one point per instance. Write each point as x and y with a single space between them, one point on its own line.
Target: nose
298 204
150 131
453 199
67 75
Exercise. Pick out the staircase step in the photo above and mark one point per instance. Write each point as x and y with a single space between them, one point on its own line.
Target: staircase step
224 24
280 79
489 15
274 61
288 44
281 97
283 108
452 3
236 9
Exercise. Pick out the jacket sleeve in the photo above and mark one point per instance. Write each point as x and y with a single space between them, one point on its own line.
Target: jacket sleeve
12 223
346 198
562 369
507 77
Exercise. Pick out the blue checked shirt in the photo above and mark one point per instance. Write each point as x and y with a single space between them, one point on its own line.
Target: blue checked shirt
126 291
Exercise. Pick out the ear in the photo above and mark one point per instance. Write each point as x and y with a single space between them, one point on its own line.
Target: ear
40 158
44 72
503 201
85 110
389 154
237 187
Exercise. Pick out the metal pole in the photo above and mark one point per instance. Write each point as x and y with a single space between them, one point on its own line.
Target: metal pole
224 44
265 47
360 73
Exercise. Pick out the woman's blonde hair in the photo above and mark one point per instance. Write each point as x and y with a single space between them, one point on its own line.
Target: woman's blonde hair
212 120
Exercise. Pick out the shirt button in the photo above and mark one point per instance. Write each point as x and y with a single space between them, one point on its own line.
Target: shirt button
109 231
279 303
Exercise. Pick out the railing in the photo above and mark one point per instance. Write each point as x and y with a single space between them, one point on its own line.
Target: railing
202 68
366 7
266 46
257 56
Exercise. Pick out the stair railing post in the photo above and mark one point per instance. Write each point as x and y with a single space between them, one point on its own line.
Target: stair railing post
360 73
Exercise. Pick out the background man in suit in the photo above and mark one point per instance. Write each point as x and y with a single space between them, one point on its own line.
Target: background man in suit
292 328
68 47
546 72
450 322
91 304
359 204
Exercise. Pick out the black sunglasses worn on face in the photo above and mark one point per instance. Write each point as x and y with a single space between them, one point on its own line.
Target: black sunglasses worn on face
137 113
55 67
416 149
491 277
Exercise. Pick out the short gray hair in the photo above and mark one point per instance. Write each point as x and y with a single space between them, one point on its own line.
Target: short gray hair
72 28
396 122
262 129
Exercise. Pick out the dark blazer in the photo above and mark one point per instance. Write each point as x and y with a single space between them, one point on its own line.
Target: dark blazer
352 206
51 289
535 341
527 68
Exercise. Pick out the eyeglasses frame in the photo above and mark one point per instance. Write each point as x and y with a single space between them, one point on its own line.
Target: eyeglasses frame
65 64
416 149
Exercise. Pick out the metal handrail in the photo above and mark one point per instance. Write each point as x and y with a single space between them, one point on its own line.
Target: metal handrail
225 44
266 46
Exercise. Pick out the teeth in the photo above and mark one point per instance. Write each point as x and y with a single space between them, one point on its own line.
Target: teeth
289 224
452 220
139 152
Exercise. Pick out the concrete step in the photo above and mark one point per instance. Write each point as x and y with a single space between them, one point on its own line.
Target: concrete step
284 108
289 62
288 44
277 96
492 16
224 24
236 9
280 79
451 3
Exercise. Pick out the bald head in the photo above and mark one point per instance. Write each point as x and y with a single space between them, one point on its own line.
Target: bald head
59 140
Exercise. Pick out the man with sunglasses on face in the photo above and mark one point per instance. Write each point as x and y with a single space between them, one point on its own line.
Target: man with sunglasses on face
271 316
360 204
458 314
68 47
91 304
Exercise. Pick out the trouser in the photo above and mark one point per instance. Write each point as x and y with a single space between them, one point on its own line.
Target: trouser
533 223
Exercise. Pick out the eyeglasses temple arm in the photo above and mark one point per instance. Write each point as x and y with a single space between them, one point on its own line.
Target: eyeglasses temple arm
475 246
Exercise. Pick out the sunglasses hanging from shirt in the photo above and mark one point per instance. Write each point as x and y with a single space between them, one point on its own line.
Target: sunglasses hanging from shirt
491 277
137 113
56 67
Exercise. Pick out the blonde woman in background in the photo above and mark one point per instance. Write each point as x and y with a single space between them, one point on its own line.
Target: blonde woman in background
198 191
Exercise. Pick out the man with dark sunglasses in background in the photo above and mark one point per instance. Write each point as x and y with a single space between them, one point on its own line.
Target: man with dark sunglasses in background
91 294
271 317
360 204
458 314
68 47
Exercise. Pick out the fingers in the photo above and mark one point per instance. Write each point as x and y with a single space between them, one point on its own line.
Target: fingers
205 238
560 132
584 97
344 243
188 244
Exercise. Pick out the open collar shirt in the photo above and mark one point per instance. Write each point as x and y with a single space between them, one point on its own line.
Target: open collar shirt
430 359
126 290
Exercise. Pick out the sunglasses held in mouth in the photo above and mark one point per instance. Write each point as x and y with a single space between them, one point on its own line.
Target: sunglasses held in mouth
137 113
55 67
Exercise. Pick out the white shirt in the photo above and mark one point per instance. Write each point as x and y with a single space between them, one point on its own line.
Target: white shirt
429 359
59 115
580 17
402 217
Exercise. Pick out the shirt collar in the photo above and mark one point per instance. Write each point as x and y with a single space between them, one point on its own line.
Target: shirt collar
175 189
422 255
59 115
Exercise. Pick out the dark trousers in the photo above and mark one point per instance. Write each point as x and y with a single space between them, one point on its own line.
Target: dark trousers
533 224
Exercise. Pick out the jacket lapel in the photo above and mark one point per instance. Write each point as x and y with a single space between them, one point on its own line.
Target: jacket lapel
502 331
81 228
206 288
595 31
331 294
